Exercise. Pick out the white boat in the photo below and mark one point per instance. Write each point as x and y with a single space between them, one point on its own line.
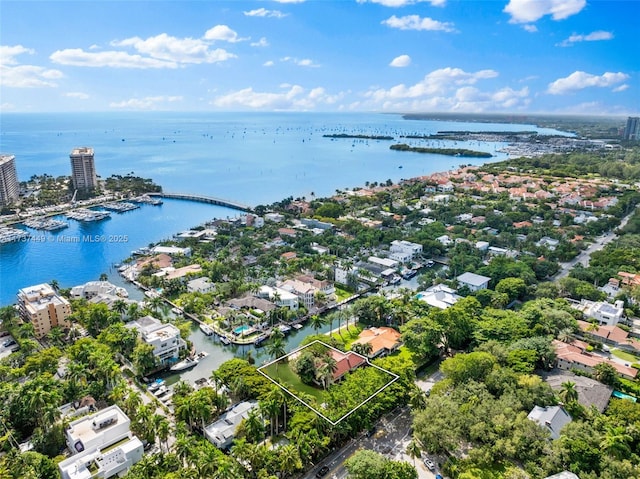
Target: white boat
298 326
284 329
225 340
206 329
161 391
154 386
188 363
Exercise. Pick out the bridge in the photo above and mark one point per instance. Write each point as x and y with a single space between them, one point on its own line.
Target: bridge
205 199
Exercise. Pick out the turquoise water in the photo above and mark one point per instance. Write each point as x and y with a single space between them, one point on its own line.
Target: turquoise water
252 158
241 329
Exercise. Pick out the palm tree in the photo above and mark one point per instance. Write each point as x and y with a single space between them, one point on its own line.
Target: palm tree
565 335
289 459
363 349
276 349
119 306
254 426
616 442
104 277
569 394
134 312
413 451
155 304
54 284
317 322
56 336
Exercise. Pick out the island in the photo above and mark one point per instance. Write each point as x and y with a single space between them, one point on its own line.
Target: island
442 151
359 137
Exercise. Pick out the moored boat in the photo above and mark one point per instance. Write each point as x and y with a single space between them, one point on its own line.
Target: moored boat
206 329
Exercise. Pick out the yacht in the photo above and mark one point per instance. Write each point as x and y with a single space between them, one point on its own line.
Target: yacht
224 340
189 362
154 386
206 329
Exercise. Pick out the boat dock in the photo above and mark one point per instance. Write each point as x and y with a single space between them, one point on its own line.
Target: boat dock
204 199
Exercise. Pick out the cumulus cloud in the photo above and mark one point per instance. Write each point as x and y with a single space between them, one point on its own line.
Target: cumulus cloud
222 33
404 3
16 75
530 28
448 89
263 12
591 37
579 80
527 11
294 97
401 61
620 88
76 94
114 59
415 22
146 103
268 63
260 43
176 50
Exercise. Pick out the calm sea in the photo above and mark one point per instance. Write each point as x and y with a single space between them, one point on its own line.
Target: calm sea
253 158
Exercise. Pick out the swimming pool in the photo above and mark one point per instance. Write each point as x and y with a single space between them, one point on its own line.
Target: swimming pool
241 329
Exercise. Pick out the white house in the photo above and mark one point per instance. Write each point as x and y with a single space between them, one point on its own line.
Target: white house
171 250
222 432
474 282
482 245
603 312
280 297
552 418
549 243
164 337
274 217
341 274
102 446
384 262
94 288
200 285
444 240
404 251
439 296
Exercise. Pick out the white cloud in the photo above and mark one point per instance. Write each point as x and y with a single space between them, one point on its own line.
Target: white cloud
448 89
591 37
115 59
620 88
527 11
77 94
260 43
146 103
8 53
289 1
263 12
294 97
530 28
579 80
415 22
268 63
178 50
304 62
404 3
15 75
222 33
401 61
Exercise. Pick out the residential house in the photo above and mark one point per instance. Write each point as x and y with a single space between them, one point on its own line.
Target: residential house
274 217
171 250
164 337
439 296
404 251
102 446
574 356
603 312
222 432
590 392
94 288
552 418
383 340
200 285
345 362
342 273
281 297
384 262
474 282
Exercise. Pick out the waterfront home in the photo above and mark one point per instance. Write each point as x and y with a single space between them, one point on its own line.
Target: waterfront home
102 446
552 418
164 337
92 289
404 251
474 282
222 432
171 250
345 362
280 297
44 308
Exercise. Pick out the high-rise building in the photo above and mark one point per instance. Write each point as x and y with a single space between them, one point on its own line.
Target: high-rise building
83 169
44 308
632 130
9 189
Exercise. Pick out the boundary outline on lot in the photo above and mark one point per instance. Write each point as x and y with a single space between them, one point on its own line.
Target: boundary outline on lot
294 395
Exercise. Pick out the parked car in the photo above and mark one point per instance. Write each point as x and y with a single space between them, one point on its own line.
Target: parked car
9 342
429 463
322 472
4 333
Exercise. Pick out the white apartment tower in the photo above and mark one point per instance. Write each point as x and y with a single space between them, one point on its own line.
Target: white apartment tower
83 169
8 180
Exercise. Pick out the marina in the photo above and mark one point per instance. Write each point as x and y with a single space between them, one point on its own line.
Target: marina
47 224
10 235
120 206
87 215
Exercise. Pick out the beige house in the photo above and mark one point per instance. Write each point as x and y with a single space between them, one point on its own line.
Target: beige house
44 308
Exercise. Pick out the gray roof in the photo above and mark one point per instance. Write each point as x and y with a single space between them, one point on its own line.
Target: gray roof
563 475
553 418
590 391
473 279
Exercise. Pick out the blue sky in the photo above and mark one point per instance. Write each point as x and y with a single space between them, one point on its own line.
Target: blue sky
538 56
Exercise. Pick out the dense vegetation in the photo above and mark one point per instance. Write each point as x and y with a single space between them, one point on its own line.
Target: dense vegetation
442 151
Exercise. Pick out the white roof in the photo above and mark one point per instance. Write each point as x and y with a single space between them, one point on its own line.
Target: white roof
473 279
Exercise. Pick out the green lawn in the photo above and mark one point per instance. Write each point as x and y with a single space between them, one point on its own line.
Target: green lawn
348 336
625 356
342 294
283 373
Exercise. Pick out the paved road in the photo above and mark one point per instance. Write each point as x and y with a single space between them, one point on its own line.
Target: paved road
584 256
